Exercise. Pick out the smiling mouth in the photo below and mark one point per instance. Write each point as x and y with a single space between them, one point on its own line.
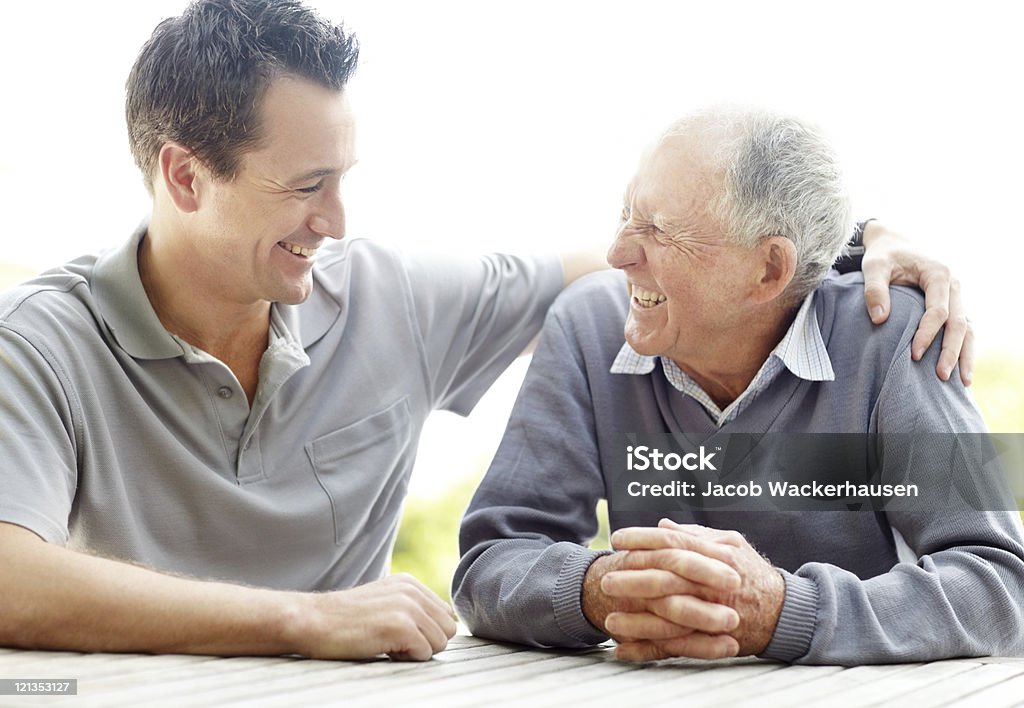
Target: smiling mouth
297 250
646 299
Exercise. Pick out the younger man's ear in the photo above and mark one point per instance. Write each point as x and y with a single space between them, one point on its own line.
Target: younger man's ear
778 266
179 171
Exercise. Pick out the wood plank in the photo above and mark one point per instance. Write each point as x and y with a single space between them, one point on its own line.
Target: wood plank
825 687
474 672
641 684
958 688
421 681
757 689
231 677
93 666
903 686
182 688
352 678
1009 692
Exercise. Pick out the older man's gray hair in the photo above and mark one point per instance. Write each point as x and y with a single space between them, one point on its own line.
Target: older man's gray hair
781 178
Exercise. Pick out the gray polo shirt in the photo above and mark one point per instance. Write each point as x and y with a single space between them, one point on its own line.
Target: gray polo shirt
118 438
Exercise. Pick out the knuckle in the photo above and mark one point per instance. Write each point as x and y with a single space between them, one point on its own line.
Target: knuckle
731 555
734 538
939 312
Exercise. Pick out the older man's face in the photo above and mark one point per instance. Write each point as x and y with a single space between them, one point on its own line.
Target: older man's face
687 283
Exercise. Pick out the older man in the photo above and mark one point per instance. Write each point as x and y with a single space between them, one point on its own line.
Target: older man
728 231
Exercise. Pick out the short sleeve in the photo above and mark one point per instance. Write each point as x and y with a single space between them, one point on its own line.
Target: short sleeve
38 457
475 316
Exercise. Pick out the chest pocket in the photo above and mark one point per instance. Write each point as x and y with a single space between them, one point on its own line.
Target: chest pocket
364 469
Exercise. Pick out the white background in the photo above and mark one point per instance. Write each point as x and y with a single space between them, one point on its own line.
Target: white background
489 125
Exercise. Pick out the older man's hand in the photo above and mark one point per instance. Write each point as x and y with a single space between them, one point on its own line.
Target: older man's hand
669 606
889 258
674 598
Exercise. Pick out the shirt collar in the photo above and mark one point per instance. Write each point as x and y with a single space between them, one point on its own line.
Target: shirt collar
801 350
125 307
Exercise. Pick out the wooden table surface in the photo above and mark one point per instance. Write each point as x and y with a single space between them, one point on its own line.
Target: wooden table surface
473 672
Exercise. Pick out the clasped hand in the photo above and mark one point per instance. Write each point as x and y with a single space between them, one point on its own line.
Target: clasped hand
683 590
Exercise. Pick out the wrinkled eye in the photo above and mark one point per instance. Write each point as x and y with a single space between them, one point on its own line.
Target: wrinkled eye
625 214
310 190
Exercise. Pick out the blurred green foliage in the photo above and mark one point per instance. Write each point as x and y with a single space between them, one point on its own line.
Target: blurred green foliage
999 390
427 544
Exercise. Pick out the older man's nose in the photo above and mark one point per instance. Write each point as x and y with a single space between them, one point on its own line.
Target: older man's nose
624 251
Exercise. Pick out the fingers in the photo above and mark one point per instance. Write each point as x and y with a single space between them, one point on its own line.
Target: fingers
666 615
957 340
936 285
726 536
397 616
944 307
646 583
696 538
877 275
689 565
967 355
411 634
696 645
438 610
635 626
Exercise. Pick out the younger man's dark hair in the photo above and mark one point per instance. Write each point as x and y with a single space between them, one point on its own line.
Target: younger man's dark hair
201 77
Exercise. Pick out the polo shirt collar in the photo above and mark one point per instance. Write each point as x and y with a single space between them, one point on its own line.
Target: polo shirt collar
310 321
125 307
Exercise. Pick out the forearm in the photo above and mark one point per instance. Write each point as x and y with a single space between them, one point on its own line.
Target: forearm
54 598
526 591
958 602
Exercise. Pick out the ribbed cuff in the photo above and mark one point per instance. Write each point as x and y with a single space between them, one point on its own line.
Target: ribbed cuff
795 629
567 597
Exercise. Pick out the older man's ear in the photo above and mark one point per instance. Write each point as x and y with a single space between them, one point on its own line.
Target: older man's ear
776 268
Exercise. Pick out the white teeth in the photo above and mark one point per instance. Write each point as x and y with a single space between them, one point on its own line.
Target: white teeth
647 298
298 250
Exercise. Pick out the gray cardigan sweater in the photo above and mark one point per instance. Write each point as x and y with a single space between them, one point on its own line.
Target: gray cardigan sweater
849 600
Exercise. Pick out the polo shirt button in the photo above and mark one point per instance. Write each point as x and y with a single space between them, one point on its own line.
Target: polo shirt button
225 392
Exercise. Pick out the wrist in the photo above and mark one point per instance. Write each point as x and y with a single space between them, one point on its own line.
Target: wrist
291 623
853 253
596 605
762 626
870 230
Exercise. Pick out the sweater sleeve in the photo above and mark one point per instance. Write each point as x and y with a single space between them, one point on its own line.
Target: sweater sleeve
523 538
963 595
